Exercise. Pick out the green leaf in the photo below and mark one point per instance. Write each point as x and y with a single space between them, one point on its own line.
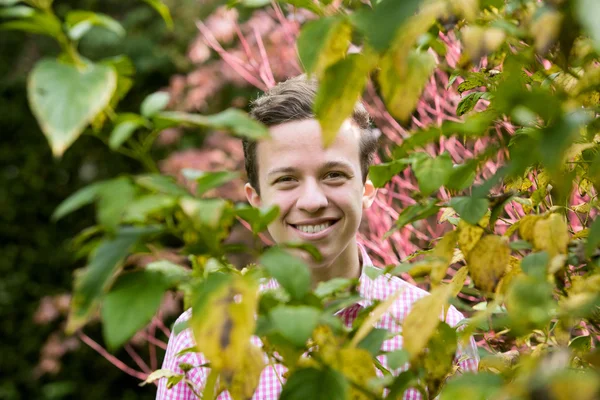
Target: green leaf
307 4
588 12
402 81
468 102
154 103
291 273
373 341
233 120
17 12
380 24
431 173
520 245
7 3
472 386
295 323
209 180
80 22
323 42
163 10
536 264
339 90
141 208
161 184
130 305
172 274
472 81
462 175
397 359
414 213
332 286
80 198
471 209
92 281
65 99
593 239
38 22
381 174
123 131
113 199
373 272
315 384
259 218
474 126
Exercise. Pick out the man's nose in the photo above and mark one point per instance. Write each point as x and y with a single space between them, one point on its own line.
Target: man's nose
312 198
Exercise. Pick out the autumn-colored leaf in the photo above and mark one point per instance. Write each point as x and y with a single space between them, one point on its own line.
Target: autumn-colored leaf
223 320
526 225
487 262
423 319
552 235
468 236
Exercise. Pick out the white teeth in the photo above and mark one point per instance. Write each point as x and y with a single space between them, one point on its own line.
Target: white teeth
313 228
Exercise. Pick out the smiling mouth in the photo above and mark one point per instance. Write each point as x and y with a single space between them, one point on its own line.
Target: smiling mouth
316 230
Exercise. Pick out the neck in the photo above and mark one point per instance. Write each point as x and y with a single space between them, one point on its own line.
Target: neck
346 265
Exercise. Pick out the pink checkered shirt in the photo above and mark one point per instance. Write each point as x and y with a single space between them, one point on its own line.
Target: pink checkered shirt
269 387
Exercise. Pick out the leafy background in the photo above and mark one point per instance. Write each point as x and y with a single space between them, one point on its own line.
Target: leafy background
201 72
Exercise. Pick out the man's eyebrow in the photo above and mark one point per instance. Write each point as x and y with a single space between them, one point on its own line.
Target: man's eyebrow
337 164
282 170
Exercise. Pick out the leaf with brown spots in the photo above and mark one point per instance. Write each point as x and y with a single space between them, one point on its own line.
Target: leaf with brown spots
223 319
468 236
487 262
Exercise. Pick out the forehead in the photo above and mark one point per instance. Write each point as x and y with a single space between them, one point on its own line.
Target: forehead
299 144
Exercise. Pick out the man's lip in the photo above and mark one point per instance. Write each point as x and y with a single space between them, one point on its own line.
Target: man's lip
315 236
315 221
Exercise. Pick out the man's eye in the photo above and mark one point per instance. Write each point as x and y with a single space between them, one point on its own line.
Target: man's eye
284 179
336 175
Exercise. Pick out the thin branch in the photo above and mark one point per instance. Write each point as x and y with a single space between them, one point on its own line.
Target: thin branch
138 360
112 359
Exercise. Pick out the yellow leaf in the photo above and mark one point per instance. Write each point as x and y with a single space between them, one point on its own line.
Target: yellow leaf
243 382
443 253
512 271
403 80
357 366
423 319
374 316
526 225
468 236
458 281
552 235
223 321
479 41
582 234
448 212
545 30
488 262
466 8
340 88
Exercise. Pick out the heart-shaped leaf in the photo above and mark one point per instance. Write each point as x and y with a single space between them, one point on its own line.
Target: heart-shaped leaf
65 99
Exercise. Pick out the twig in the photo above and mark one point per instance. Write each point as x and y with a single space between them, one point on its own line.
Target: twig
138 360
112 359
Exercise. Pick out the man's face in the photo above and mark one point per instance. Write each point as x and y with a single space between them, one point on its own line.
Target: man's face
319 191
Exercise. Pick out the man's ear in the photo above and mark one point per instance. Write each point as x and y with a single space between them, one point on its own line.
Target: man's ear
252 196
369 193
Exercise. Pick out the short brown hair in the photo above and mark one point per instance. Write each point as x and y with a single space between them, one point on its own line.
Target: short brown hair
293 100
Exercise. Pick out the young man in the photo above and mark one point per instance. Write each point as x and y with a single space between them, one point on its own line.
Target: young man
321 194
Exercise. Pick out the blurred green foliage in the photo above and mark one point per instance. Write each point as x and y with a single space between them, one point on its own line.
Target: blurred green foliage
36 258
